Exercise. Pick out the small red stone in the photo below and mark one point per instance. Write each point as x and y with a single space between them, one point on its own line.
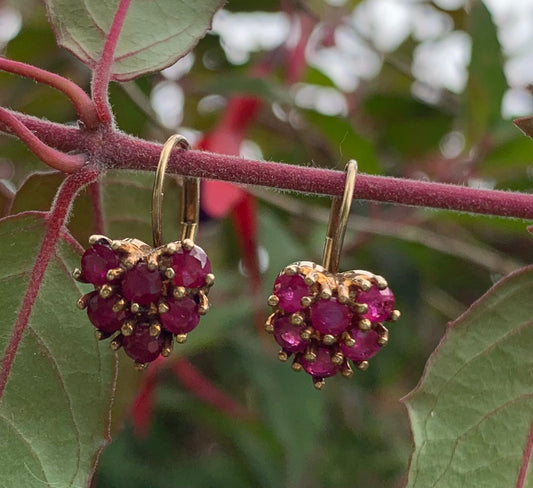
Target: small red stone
330 316
288 335
290 290
380 303
97 261
366 345
182 315
321 367
140 285
101 315
190 267
141 346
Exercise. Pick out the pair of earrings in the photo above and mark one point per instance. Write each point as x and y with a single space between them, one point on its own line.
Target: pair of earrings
145 296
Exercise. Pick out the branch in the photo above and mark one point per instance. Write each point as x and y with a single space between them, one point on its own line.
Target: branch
102 72
53 158
114 149
81 101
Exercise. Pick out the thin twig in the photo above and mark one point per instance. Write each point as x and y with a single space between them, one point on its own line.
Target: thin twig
81 101
102 71
481 255
53 158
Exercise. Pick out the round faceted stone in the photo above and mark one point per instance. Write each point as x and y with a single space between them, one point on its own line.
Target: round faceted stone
190 267
366 345
141 346
288 335
321 367
380 303
330 316
97 261
101 315
182 315
290 290
140 285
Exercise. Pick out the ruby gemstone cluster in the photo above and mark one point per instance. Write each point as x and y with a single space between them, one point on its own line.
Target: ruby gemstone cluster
326 320
143 297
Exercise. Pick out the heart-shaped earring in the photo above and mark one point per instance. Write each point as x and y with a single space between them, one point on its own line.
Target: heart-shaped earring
145 295
325 318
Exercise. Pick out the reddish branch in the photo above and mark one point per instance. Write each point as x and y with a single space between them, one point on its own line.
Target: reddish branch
81 101
114 149
53 158
56 219
102 71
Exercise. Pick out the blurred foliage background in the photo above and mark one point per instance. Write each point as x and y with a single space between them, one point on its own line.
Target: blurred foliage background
418 89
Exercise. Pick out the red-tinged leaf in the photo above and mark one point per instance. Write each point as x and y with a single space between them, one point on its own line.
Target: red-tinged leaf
141 411
525 124
56 381
219 198
155 33
472 412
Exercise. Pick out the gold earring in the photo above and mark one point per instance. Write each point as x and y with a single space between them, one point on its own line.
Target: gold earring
146 295
325 318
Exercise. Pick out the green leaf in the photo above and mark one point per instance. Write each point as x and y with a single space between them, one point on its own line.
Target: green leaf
471 413
154 35
54 411
486 82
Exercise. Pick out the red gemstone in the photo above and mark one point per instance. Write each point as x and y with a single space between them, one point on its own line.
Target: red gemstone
321 367
380 303
288 335
100 312
141 346
190 267
182 315
330 316
140 285
97 261
290 290
366 345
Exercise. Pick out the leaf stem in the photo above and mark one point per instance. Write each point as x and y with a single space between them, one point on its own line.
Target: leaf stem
114 149
48 155
56 219
102 71
81 101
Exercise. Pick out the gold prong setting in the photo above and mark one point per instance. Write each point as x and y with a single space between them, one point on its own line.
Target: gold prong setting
328 322
144 297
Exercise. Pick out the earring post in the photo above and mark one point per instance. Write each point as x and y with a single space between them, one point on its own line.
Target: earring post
338 220
190 194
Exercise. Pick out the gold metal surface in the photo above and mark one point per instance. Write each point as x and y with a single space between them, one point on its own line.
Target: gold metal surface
190 195
338 219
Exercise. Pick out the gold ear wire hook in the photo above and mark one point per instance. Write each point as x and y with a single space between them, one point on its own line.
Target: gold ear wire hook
338 219
189 196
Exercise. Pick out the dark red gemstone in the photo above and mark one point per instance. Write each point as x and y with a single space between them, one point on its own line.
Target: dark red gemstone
366 345
288 335
182 315
100 312
97 261
330 316
190 267
140 285
321 367
141 346
290 290
380 303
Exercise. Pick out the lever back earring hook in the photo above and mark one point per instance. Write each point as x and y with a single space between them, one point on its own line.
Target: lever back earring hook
189 196
338 219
